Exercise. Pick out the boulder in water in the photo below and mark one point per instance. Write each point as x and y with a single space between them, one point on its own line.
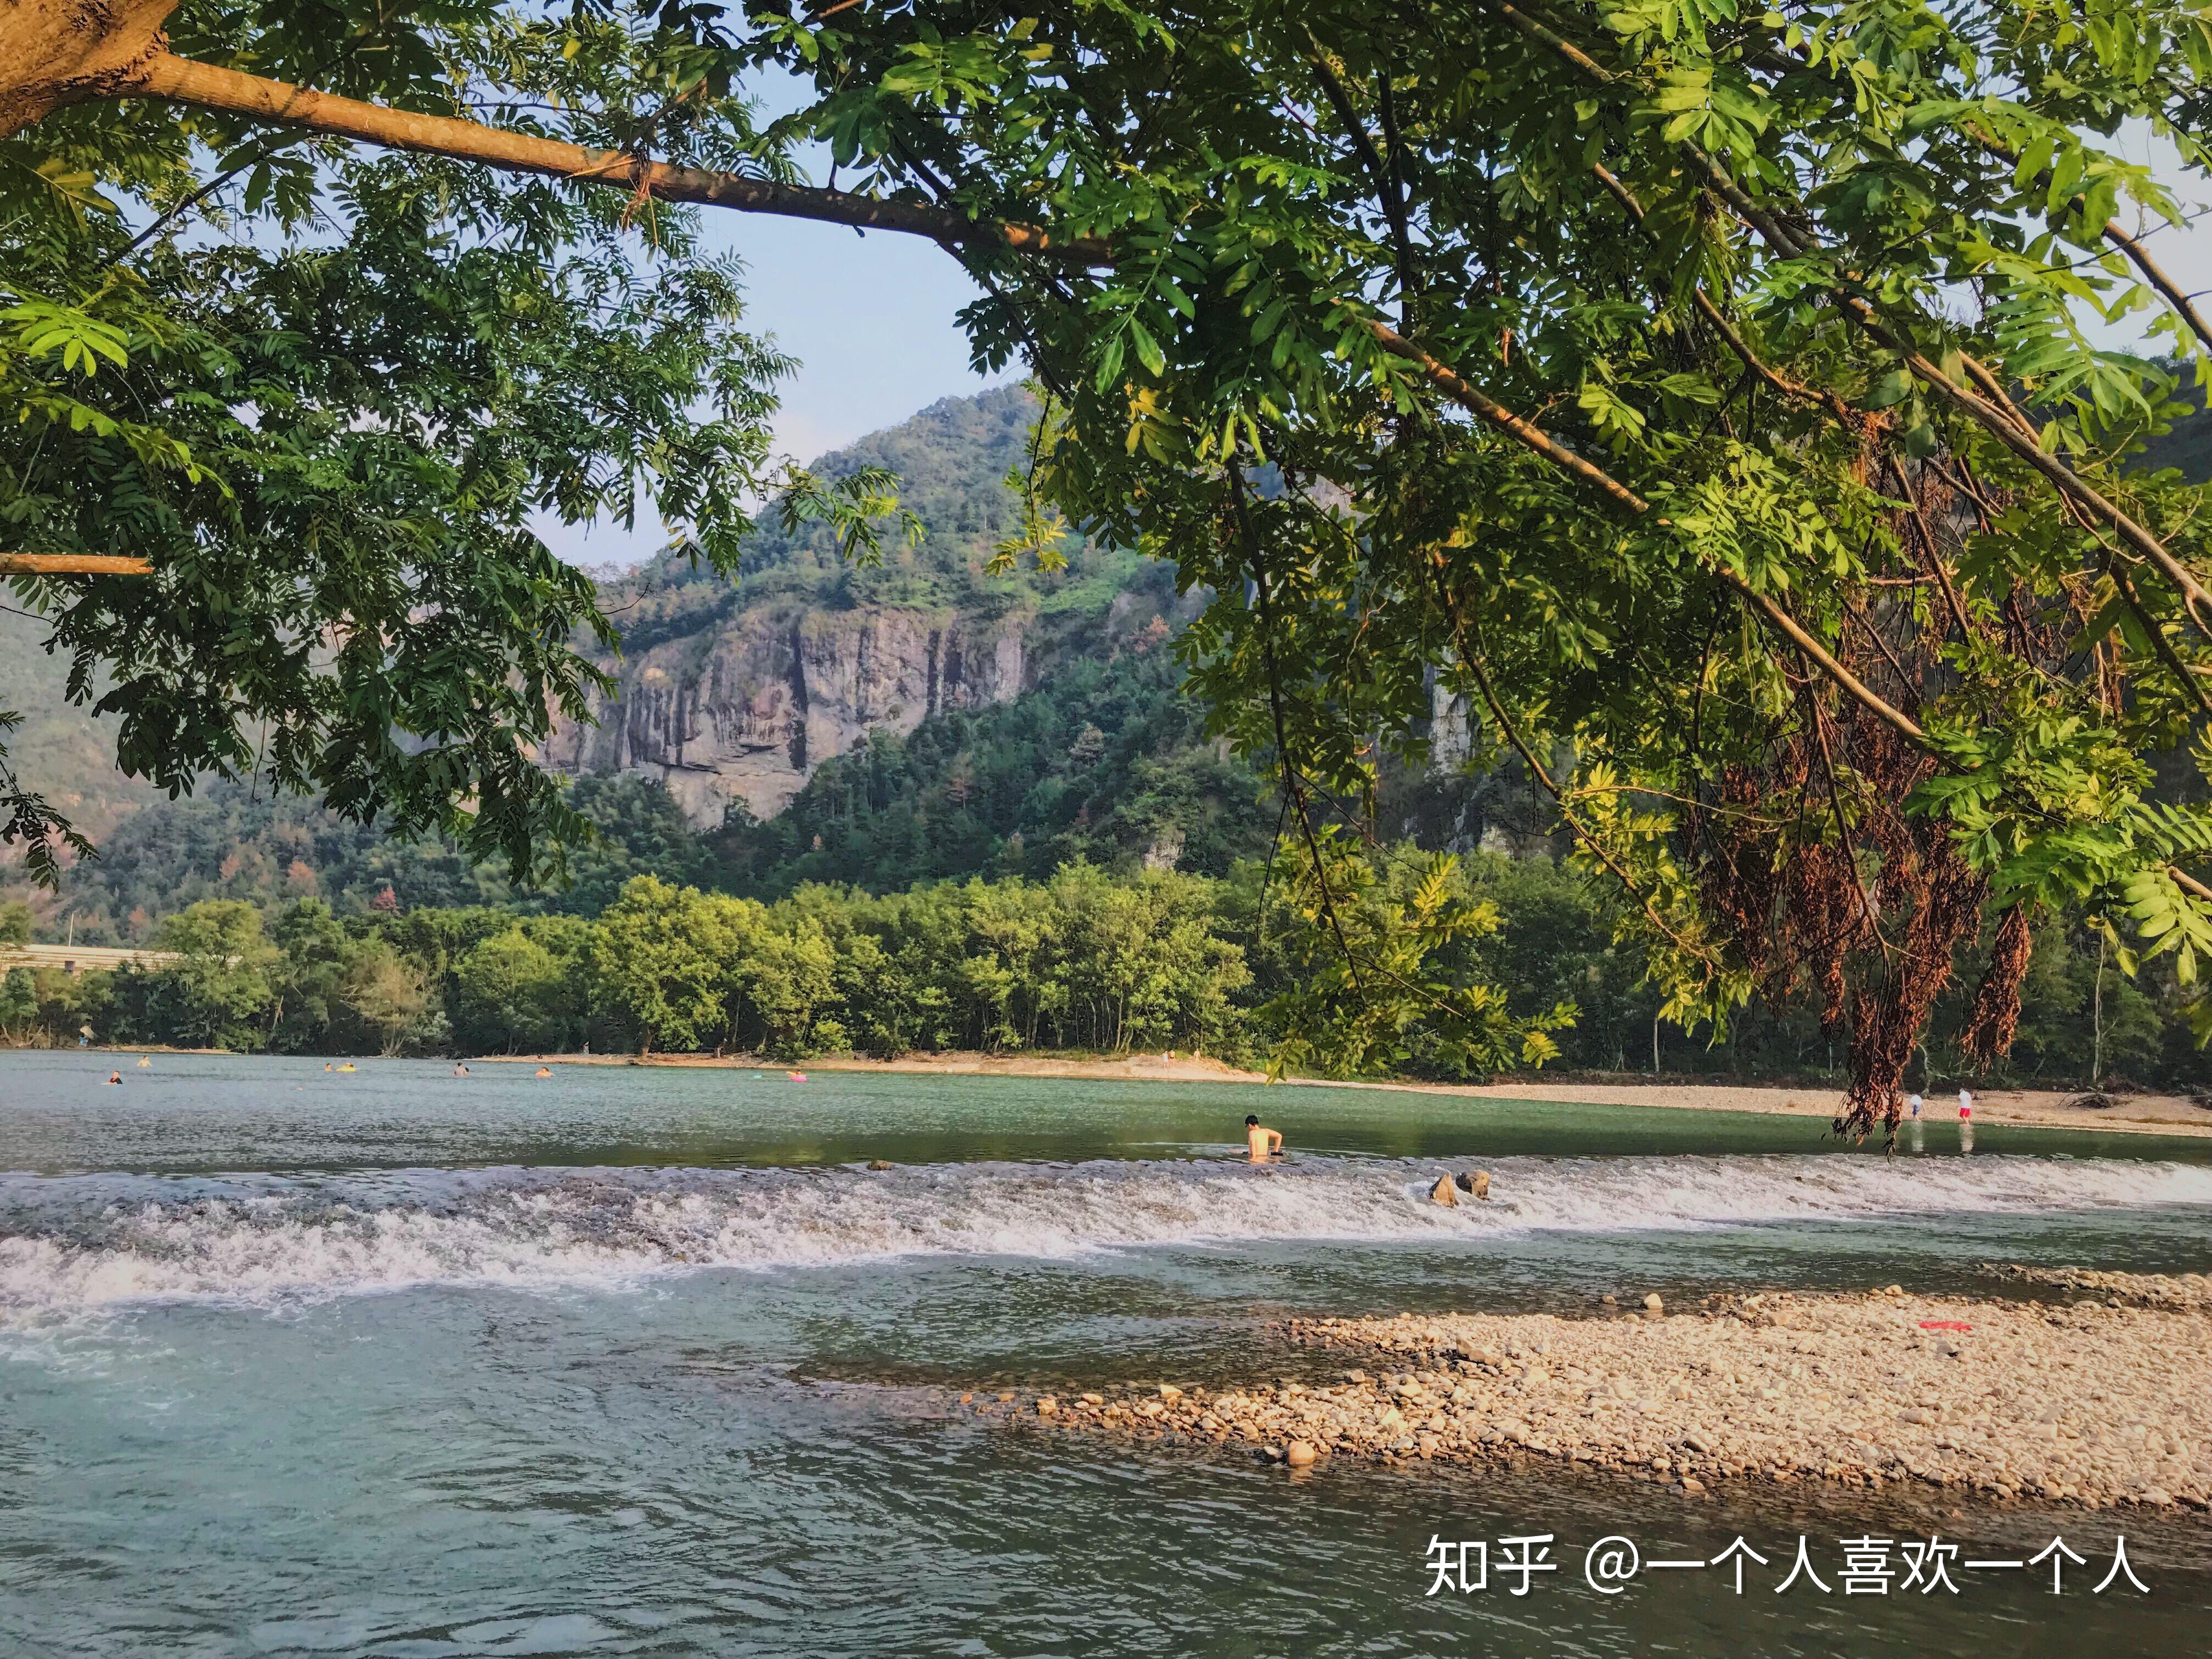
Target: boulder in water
1298 1453
1444 1192
1476 1182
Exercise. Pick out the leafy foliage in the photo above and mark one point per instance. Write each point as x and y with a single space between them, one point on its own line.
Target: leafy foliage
1085 960
326 395
1829 459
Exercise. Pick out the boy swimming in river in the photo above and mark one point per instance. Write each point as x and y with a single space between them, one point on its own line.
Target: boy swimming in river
1264 1143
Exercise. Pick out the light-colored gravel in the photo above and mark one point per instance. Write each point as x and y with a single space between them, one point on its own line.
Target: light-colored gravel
2088 1404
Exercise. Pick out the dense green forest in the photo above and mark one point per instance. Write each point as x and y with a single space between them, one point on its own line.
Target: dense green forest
1102 757
1084 959
1107 761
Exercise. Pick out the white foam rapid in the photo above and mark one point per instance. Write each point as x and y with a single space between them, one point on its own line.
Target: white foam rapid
80 1244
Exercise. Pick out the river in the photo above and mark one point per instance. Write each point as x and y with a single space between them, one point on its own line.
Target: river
648 1361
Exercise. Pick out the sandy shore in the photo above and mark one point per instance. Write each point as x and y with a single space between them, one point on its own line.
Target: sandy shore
2088 1403
2046 1110
2139 1113
1151 1068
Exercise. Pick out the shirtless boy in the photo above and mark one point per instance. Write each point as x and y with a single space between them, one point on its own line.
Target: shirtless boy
1264 1143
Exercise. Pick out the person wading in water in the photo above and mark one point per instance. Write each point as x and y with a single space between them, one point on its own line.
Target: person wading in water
1265 1143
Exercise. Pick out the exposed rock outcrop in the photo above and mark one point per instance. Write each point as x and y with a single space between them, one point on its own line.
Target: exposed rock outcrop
747 709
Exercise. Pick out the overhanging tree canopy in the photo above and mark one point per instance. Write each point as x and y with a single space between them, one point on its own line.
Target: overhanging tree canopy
321 392
1697 401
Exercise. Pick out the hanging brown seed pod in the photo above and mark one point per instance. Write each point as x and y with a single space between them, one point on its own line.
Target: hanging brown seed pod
1995 1017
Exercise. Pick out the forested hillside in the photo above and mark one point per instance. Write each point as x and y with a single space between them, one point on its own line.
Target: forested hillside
930 763
920 717
735 694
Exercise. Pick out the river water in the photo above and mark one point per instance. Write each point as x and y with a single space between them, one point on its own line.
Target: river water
647 1361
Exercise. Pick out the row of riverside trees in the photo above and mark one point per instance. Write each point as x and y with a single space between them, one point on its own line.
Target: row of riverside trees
1087 960
1083 961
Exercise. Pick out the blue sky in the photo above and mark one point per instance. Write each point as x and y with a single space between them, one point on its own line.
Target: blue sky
871 319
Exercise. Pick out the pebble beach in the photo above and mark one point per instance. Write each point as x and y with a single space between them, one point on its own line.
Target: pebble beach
2098 1401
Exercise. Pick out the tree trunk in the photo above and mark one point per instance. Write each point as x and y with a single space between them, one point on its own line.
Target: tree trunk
2097 1020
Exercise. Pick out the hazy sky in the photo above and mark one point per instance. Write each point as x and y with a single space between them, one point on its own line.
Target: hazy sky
871 319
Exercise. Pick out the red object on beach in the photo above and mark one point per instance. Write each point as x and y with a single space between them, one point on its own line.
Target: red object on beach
1945 1325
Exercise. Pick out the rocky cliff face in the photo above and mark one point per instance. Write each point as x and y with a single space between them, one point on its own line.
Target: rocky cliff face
737 692
745 711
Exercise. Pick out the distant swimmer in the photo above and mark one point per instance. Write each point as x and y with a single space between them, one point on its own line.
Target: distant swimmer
1265 1143
796 1076
460 1071
115 1077
145 1061
326 1066
545 1070
348 1066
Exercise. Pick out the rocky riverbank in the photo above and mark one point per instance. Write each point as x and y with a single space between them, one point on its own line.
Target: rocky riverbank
2151 1289
2087 1403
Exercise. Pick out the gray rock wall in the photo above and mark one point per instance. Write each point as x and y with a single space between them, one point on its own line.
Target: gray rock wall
746 710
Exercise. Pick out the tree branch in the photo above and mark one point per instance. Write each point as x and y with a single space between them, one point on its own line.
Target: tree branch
1385 175
1956 605
1455 386
1853 420
1290 785
208 86
2168 290
1990 408
72 564
1506 421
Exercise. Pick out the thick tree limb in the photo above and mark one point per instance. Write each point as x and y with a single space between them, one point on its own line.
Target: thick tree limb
72 564
208 86
1553 41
